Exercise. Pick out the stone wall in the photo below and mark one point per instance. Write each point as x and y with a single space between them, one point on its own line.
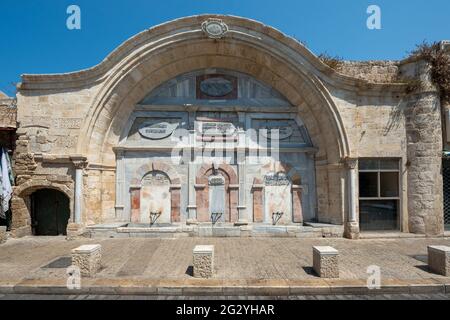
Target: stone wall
372 71
8 113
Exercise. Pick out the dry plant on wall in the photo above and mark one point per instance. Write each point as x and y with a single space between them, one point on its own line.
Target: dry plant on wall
334 63
440 66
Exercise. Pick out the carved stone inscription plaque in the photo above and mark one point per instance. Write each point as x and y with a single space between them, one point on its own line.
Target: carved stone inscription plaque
218 129
276 179
158 130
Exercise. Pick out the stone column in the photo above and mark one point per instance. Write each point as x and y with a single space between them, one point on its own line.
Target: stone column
75 228
352 226
79 163
135 204
175 199
192 168
297 204
258 210
192 206
242 208
120 182
424 152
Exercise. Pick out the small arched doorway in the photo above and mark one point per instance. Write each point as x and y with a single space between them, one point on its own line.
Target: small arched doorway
50 212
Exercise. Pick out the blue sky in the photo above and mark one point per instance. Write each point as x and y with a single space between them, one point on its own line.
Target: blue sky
34 37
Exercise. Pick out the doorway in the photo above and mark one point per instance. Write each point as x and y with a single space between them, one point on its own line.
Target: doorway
446 182
50 212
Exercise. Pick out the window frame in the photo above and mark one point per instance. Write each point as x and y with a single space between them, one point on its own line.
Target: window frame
398 199
378 172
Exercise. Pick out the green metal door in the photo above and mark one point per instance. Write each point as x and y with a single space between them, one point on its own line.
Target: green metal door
50 212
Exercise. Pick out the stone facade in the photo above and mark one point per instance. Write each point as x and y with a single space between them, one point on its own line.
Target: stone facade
84 131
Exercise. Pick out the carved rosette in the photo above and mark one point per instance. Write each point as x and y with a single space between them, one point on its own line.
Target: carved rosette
214 28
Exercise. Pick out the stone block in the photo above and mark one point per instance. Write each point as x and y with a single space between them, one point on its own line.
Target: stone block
439 260
88 259
203 257
3 235
325 262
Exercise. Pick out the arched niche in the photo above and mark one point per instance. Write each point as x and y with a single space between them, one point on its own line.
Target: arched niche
277 195
155 195
210 180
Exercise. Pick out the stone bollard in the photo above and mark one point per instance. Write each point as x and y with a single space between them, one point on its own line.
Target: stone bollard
325 262
88 259
203 261
439 260
3 235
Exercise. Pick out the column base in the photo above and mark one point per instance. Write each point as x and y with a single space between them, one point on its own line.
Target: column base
191 222
241 222
352 230
74 231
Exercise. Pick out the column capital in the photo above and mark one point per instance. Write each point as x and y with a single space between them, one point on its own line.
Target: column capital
79 162
351 163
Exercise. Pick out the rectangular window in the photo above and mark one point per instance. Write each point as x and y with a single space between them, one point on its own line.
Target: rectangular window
379 194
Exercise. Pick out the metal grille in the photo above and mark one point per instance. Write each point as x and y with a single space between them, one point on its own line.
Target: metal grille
446 174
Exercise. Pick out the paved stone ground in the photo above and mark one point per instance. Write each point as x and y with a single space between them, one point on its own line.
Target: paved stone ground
235 258
253 298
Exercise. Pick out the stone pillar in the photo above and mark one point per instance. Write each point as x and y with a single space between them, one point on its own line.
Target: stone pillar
75 227
175 199
192 206
203 258
424 152
352 226
242 208
439 260
202 202
234 194
120 183
242 170
135 204
88 259
326 262
78 194
258 210
297 204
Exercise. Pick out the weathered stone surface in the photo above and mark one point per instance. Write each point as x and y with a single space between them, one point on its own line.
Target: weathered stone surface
3 235
439 260
88 259
424 152
325 262
203 258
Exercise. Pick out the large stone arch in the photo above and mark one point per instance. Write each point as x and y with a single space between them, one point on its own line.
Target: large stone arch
153 59
157 55
156 166
21 219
